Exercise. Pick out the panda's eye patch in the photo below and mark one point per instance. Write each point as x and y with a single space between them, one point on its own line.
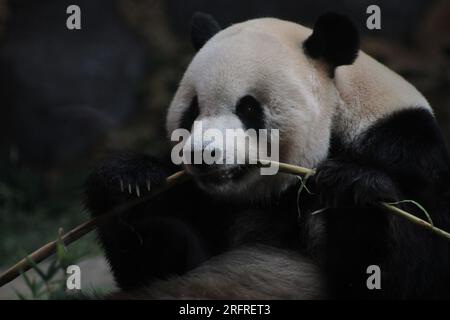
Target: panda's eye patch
189 116
250 112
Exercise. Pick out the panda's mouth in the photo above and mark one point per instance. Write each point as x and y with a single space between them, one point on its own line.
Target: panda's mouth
223 176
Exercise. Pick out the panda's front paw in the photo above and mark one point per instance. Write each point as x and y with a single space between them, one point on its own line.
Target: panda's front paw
342 183
122 178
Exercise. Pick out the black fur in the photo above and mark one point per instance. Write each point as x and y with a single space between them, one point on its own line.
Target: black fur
179 229
335 39
250 112
189 116
350 176
203 28
400 157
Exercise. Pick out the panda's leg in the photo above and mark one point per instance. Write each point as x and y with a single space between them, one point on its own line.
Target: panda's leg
150 240
248 272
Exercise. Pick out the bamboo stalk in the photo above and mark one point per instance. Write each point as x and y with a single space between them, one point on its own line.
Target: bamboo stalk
415 220
46 251
83 229
293 169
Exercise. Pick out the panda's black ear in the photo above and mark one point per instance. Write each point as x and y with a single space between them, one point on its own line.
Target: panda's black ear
203 28
335 39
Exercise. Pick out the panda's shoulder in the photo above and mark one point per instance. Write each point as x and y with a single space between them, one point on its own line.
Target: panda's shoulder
415 123
408 140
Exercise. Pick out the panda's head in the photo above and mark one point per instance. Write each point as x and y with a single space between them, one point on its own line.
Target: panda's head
261 74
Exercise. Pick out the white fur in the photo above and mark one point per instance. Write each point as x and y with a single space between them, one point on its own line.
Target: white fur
265 58
255 272
370 91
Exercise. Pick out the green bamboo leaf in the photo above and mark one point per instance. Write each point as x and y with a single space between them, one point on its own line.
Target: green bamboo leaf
418 205
27 279
33 288
302 186
61 254
20 295
52 269
36 268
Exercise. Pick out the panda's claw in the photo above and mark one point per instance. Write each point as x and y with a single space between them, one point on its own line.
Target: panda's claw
148 185
129 188
138 191
121 185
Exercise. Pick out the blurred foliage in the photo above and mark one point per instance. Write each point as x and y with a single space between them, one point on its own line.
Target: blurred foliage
51 282
32 208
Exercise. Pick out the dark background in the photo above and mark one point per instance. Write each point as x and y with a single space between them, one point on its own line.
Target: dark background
69 97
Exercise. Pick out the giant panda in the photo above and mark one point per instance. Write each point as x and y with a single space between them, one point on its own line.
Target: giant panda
232 233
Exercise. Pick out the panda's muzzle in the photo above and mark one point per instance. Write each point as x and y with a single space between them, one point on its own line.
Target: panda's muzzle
205 156
216 174
223 176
